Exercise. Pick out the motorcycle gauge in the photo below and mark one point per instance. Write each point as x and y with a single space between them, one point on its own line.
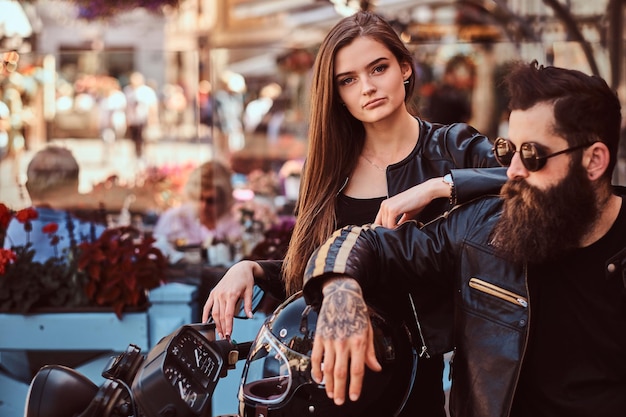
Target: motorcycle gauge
178 376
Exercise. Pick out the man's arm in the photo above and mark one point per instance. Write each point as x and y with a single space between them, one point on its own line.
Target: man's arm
343 340
372 262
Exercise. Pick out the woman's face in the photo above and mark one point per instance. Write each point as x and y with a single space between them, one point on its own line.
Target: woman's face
370 80
212 206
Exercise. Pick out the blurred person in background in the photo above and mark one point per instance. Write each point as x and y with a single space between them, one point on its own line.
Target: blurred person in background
205 108
52 185
257 109
12 96
112 106
8 64
142 110
229 108
205 217
174 104
5 114
451 99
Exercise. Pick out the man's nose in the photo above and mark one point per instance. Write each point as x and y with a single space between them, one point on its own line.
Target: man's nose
517 168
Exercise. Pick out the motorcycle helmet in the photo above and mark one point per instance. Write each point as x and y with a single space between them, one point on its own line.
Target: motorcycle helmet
277 382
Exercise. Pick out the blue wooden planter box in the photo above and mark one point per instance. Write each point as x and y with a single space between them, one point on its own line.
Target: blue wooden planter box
73 331
171 306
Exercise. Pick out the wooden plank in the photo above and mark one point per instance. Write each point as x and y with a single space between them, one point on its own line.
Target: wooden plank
73 331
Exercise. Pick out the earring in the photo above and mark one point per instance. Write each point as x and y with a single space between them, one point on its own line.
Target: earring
406 82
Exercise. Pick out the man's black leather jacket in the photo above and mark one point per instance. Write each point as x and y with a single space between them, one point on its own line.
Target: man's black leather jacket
467 298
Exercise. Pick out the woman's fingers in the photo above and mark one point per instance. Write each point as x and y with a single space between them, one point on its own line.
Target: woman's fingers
206 311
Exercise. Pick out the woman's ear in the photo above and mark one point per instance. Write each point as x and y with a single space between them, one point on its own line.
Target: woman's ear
596 160
407 70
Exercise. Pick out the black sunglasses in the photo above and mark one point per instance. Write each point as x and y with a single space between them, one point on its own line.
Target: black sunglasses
530 153
218 197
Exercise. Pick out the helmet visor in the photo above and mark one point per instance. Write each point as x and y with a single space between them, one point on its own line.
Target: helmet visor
271 370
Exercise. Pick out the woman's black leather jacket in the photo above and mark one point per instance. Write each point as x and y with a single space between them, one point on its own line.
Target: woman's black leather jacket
457 148
467 298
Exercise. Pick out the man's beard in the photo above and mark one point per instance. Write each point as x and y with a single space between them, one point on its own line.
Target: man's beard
539 225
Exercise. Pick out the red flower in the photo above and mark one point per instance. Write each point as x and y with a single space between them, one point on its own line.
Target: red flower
50 228
6 257
26 214
5 216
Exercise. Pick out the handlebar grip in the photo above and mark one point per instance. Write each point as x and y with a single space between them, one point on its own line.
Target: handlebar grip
244 349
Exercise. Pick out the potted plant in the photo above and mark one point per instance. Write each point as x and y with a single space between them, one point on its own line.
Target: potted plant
114 270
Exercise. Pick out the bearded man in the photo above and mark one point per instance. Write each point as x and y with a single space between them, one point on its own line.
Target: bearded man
528 288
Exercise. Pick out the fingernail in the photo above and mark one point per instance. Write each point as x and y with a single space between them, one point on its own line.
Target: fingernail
354 397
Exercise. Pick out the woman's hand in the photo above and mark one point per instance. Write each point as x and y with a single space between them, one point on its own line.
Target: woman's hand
237 283
406 205
344 341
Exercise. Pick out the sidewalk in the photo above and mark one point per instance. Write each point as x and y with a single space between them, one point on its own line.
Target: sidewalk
95 166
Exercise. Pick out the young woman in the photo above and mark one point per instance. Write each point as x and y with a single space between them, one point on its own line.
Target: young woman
365 145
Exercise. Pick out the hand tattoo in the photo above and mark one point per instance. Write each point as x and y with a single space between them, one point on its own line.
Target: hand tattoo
343 313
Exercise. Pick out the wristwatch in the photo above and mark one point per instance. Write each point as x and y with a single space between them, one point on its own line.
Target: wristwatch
448 180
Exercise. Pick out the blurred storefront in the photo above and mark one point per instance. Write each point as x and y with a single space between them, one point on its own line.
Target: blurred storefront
275 41
191 51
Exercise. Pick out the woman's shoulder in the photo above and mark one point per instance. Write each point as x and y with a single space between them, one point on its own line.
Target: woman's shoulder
452 130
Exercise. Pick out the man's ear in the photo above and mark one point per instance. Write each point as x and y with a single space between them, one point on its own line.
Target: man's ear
596 160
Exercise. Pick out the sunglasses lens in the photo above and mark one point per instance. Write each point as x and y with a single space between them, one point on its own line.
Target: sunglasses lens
503 151
530 157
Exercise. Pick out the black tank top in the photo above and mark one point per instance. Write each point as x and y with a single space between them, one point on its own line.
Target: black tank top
356 210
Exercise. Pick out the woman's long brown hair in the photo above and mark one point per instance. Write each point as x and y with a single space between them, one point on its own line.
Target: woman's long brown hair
335 140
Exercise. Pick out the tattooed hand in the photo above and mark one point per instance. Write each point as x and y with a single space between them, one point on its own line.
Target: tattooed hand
343 340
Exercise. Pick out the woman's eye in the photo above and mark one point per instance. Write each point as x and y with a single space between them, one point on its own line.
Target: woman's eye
346 81
380 68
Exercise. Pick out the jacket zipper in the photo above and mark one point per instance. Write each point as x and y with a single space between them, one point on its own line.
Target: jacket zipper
424 350
501 293
525 347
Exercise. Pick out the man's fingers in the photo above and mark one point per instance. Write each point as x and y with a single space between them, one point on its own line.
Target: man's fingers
357 371
370 355
340 376
328 367
317 355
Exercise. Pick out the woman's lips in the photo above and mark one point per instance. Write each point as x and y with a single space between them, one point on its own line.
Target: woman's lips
373 103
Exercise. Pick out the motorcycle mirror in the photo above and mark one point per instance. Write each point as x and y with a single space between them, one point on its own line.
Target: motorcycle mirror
58 391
